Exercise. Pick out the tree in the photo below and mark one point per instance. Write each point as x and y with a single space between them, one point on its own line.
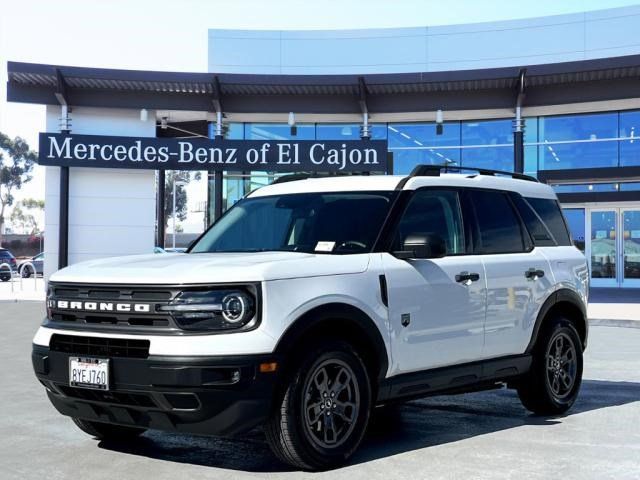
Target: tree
16 165
181 194
22 217
23 221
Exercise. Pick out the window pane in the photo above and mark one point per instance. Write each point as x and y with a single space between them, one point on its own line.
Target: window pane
603 244
348 131
498 225
235 131
434 212
550 213
531 151
493 158
488 132
576 222
423 135
630 149
405 160
541 235
631 243
413 144
578 155
278 131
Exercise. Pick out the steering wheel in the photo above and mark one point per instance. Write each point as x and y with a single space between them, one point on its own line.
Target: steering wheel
352 243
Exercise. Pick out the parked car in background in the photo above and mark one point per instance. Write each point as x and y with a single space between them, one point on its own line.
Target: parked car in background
34 265
7 258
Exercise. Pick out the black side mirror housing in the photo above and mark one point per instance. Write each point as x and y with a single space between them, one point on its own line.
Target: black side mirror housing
421 246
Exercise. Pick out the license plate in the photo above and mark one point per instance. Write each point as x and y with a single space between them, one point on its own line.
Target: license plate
89 373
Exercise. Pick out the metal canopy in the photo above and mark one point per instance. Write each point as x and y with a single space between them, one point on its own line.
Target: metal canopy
38 83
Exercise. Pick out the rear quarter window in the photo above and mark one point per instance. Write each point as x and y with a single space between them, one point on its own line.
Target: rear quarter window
550 213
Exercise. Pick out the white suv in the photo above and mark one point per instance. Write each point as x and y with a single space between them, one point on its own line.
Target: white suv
311 302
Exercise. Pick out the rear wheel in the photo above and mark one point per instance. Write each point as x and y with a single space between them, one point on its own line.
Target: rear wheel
323 413
553 383
106 431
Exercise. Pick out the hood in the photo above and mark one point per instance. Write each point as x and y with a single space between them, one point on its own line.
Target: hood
199 268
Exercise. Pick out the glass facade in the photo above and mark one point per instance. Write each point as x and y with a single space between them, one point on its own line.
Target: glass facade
609 139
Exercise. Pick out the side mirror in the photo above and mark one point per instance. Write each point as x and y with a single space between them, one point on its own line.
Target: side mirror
422 245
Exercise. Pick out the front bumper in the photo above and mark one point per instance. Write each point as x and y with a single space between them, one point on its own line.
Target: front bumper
225 395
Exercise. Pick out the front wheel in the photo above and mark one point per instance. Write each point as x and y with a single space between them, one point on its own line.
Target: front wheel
552 385
323 413
26 272
107 431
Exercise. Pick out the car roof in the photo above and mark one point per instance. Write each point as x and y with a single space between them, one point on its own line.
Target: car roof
362 183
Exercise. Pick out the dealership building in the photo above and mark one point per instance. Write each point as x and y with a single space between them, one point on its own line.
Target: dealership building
557 98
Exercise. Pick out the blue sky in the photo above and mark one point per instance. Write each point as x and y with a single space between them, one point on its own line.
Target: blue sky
172 35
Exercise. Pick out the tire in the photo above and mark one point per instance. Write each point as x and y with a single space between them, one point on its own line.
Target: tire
329 430
106 431
5 277
26 272
552 385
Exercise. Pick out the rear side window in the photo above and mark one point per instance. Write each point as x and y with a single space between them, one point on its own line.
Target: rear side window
549 211
540 234
499 229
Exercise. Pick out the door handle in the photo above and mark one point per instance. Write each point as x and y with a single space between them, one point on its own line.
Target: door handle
466 277
534 274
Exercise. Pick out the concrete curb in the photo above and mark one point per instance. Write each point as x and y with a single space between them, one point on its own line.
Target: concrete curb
614 322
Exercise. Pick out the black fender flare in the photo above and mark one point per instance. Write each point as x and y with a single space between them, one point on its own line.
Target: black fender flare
563 295
332 312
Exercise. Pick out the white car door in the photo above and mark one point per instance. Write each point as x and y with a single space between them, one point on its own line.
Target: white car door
436 305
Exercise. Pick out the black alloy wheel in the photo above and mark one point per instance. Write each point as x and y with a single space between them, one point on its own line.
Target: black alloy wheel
321 415
552 384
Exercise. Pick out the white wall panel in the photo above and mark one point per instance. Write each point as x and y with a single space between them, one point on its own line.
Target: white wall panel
559 38
111 211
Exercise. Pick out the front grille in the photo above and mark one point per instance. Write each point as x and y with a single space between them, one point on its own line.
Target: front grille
106 320
100 347
120 398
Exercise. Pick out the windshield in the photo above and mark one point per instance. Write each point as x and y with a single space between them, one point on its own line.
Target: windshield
337 223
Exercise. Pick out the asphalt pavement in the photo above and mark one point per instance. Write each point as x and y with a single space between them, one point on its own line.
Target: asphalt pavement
486 435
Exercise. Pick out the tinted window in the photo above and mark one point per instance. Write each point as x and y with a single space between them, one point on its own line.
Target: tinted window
550 213
540 234
435 212
498 225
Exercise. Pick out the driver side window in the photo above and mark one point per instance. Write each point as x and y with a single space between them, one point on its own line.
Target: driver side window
433 212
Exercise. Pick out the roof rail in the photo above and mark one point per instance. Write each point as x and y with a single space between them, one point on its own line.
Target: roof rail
436 170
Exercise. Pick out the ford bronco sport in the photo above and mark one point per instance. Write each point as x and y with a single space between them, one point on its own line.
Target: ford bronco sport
311 302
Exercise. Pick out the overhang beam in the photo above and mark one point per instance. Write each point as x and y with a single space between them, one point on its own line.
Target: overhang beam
61 88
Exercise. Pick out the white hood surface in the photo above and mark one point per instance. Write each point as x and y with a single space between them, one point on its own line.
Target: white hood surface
203 268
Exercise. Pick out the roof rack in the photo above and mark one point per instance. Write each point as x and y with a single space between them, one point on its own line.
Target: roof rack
436 170
303 176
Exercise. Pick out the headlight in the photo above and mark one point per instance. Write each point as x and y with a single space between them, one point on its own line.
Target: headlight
209 310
